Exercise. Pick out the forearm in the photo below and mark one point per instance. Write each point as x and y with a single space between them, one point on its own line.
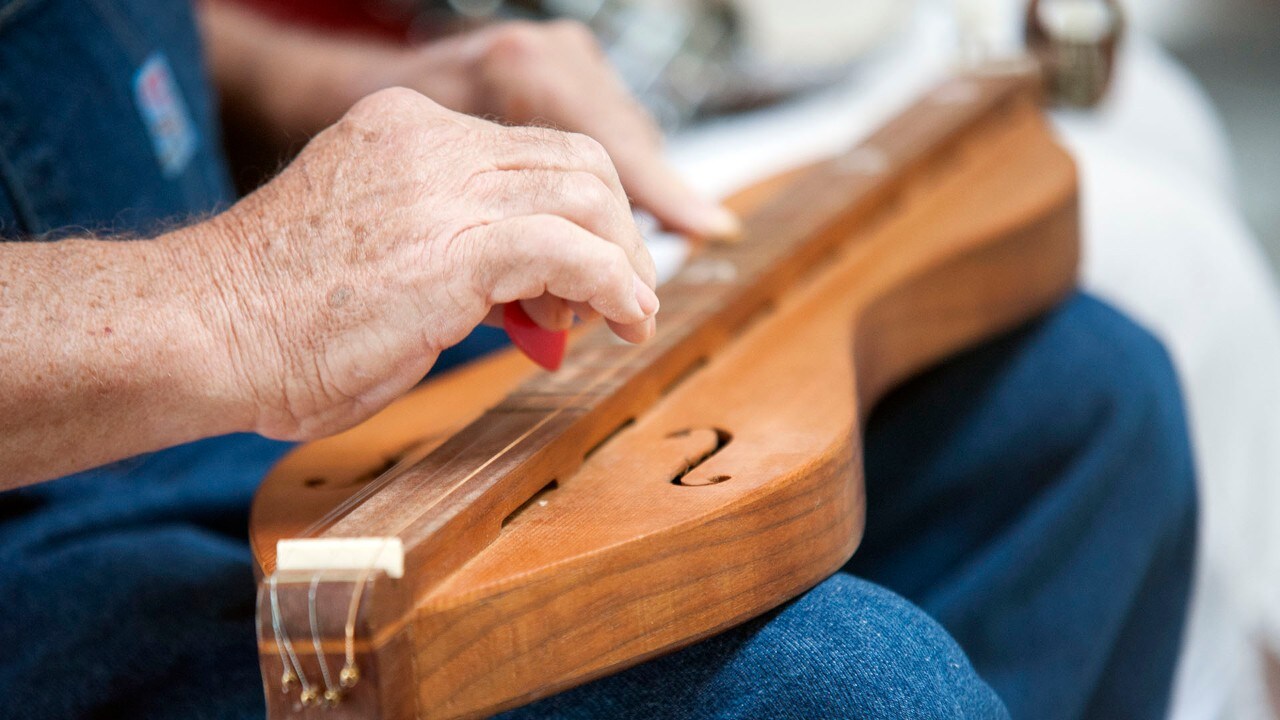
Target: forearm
109 349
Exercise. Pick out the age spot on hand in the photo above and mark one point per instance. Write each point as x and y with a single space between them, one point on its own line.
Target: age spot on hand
339 296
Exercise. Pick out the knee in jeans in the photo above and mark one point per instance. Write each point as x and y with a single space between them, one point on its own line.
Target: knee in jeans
1134 397
853 649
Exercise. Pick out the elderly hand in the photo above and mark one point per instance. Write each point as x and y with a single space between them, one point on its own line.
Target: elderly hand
393 234
555 73
295 83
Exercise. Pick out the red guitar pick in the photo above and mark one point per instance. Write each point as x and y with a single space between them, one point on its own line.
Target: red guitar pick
545 347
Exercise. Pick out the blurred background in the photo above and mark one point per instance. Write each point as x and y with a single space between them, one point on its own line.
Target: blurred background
1233 49
688 56
1180 183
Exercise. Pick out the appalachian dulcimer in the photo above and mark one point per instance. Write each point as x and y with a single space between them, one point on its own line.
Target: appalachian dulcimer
503 533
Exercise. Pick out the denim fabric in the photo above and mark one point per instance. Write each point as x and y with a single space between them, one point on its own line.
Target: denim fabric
1037 497
75 151
846 649
1030 519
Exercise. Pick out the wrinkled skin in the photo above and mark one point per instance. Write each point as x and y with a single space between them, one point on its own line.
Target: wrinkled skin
394 233
320 298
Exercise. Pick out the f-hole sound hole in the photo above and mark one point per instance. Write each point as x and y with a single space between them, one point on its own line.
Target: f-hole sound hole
613 434
687 373
683 479
538 498
713 480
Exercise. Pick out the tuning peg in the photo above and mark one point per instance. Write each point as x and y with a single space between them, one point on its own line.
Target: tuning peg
1075 42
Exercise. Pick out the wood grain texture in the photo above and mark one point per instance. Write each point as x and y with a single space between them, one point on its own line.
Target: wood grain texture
698 481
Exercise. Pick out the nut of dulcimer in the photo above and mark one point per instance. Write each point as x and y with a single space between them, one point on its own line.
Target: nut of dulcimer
1075 43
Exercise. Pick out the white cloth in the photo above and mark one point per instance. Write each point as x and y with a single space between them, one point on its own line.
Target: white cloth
1165 243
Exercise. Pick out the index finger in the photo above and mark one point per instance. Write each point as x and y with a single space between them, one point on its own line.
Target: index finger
658 188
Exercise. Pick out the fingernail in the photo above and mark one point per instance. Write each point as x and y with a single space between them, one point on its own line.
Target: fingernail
720 223
651 327
645 297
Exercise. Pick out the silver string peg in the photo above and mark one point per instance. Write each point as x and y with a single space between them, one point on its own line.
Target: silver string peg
1075 42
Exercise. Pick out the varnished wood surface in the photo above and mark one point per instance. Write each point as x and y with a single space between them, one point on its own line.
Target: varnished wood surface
700 481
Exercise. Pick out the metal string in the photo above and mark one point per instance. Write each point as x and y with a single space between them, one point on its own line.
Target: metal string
331 693
288 658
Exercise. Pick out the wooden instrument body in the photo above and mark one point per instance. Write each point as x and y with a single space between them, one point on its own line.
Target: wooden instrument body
718 481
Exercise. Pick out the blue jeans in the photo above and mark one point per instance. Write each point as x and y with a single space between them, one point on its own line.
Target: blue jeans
1030 503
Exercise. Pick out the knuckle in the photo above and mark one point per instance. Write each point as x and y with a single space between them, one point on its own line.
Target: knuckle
484 185
545 227
515 42
617 263
590 192
387 101
537 236
535 141
590 150
572 31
